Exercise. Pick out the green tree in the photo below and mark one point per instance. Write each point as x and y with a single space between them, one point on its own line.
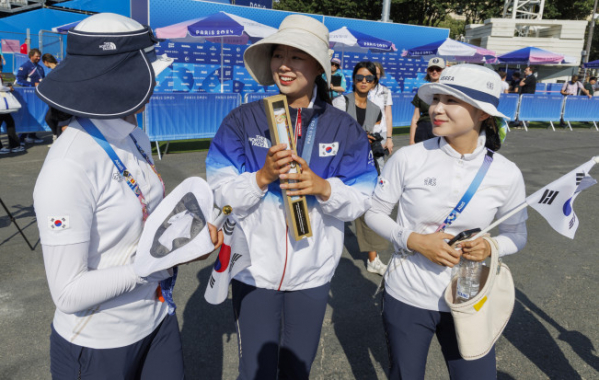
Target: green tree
360 9
568 10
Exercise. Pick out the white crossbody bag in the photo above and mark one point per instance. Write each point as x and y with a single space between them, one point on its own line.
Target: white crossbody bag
480 321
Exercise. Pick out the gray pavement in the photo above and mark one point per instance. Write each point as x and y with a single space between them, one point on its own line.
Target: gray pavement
553 333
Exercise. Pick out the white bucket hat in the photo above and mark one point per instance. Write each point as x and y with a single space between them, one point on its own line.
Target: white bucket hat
301 32
475 85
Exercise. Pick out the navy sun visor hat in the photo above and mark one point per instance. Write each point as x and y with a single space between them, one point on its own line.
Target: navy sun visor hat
109 71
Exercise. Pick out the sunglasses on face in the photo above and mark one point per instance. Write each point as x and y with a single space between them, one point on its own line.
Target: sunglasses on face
369 78
435 69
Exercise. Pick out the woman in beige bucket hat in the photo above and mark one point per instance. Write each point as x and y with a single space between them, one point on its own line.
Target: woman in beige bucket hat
280 300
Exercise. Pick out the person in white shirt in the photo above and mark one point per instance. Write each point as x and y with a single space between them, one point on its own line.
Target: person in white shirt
505 87
428 182
381 96
92 197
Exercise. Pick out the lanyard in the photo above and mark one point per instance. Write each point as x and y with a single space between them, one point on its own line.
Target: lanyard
94 132
459 208
164 292
310 135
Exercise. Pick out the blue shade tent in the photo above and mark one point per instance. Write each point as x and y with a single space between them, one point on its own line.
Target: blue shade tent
351 38
451 50
592 65
531 55
218 27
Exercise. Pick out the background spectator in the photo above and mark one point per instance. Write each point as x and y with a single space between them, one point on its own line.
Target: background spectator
338 85
49 61
505 87
573 87
421 128
30 74
381 96
13 139
515 82
528 85
590 85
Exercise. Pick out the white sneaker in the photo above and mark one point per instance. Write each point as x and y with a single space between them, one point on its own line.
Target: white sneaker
18 149
4 151
376 266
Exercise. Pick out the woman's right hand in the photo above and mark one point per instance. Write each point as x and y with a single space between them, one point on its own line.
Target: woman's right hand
433 247
277 162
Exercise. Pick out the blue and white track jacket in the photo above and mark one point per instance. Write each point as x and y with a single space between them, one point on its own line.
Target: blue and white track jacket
341 155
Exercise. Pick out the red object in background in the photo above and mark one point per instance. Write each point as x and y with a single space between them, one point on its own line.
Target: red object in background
24 49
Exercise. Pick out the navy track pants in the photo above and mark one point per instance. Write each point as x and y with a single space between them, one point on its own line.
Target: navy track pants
156 357
278 331
409 333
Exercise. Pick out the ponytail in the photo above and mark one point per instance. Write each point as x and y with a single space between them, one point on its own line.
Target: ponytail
490 127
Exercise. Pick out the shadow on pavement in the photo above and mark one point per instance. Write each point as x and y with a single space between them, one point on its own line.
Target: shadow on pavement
204 328
357 315
526 332
20 213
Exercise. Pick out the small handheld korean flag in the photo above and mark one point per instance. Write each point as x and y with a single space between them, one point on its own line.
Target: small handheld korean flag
233 257
555 202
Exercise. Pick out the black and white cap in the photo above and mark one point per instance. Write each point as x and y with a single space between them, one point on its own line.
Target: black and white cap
436 62
109 71
473 84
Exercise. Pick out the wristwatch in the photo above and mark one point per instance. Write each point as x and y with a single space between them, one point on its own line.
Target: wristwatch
389 137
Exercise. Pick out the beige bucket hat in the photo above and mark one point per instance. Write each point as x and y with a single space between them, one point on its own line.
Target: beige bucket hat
298 31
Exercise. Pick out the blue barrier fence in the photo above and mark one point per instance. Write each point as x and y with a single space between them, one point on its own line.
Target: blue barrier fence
179 116
187 116
540 107
253 96
581 108
402 109
541 88
508 105
31 116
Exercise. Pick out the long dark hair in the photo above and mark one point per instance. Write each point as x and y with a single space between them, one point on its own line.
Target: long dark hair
491 129
364 65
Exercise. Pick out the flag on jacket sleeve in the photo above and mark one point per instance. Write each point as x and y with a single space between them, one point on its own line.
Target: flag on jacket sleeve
555 202
232 258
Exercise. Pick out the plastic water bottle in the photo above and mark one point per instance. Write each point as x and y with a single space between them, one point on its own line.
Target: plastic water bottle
468 284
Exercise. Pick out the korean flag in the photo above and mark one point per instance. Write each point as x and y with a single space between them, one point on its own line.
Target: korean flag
555 201
330 149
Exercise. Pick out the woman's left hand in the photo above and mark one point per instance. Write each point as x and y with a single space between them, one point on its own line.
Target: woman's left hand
475 250
389 145
308 183
217 238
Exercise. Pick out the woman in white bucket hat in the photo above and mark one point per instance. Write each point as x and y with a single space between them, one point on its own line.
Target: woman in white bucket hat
434 184
280 300
93 195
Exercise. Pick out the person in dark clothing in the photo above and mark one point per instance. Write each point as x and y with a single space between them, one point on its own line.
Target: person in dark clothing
514 83
528 85
421 128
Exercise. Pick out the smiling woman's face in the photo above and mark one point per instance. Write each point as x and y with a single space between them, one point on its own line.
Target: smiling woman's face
452 117
294 73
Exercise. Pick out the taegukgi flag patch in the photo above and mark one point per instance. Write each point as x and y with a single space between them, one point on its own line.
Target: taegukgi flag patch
57 223
329 149
382 182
